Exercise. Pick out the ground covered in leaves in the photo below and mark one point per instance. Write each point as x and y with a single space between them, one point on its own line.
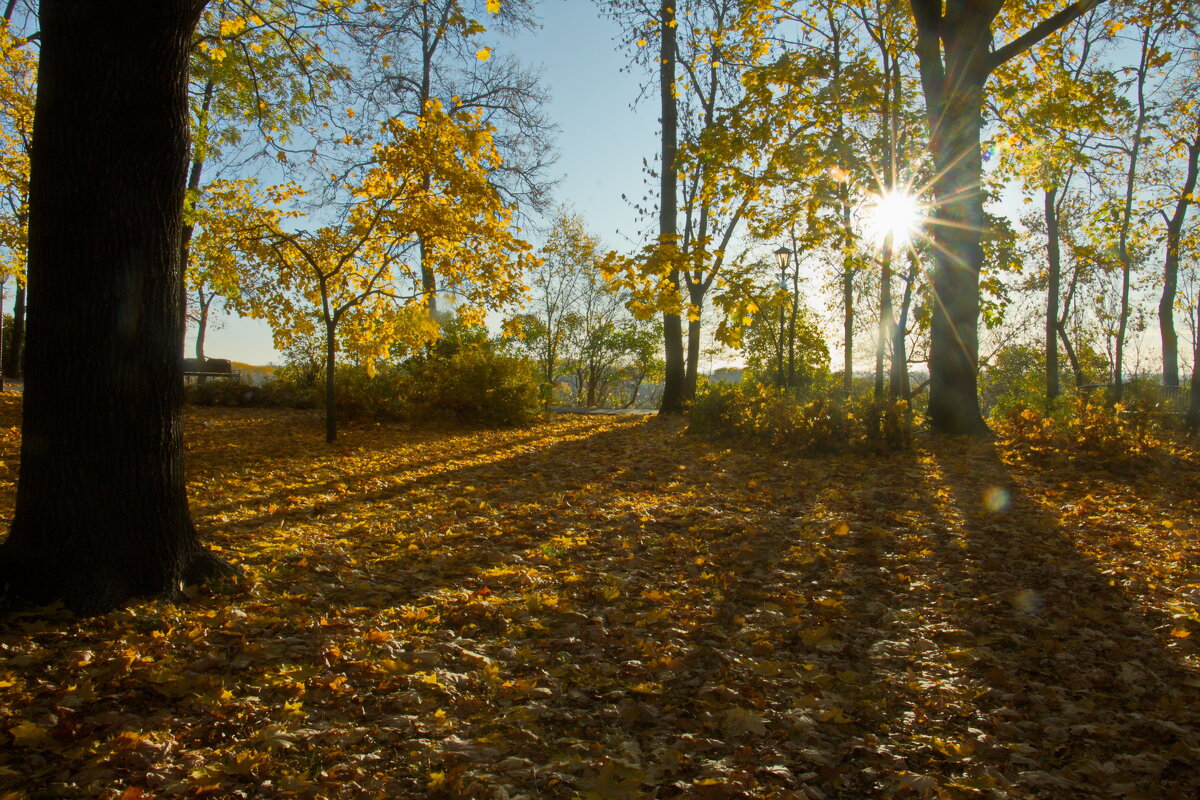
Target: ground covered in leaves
605 607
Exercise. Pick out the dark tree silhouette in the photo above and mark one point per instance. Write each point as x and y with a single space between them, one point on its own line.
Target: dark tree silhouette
954 47
102 513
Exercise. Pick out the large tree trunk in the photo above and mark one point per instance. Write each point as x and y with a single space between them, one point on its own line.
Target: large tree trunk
954 106
1054 268
958 256
956 55
674 385
101 511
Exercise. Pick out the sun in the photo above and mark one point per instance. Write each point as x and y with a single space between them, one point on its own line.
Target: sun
898 214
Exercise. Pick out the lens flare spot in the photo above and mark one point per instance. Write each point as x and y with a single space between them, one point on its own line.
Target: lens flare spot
996 499
1027 601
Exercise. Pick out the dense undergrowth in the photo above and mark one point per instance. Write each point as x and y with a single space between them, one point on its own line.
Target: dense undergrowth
603 607
471 385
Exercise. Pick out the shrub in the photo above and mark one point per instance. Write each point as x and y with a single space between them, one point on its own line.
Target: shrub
1087 427
755 412
466 384
219 392
475 384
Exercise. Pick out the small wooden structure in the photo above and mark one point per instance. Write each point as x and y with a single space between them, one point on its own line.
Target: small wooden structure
203 368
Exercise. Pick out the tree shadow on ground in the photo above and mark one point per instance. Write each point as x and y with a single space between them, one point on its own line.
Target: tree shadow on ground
1079 690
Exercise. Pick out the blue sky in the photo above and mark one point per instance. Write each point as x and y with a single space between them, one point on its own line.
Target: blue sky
602 141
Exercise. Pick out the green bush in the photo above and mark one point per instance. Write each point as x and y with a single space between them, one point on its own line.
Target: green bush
475 385
755 412
463 383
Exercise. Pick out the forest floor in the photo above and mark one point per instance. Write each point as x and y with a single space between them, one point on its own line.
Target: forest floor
606 607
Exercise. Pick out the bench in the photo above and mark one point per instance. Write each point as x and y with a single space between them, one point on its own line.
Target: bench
209 368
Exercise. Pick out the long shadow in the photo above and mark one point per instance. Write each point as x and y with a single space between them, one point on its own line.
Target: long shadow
563 467
1078 686
252 462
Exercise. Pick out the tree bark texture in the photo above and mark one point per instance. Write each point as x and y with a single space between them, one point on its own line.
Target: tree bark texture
952 48
101 512
674 388
955 54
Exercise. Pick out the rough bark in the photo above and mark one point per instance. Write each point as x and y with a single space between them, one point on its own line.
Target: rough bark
954 50
101 511
674 388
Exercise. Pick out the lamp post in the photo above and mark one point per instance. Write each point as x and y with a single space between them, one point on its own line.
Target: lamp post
783 257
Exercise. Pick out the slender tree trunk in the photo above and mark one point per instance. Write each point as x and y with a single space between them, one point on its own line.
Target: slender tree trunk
900 387
847 297
1125 222
3 286
204 302
1054 268
886 315
18 333
1166 304
330 371
692 376
668 231
1072 358
101 511
16 336
185 237
428 277
1193 414
1166 315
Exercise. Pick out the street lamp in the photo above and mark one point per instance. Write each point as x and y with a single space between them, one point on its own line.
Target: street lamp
783 257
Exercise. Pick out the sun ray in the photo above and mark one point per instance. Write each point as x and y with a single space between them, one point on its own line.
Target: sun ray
896 214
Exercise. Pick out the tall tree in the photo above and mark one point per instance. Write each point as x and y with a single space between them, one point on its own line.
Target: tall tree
101 513
18 85
675 382
415 52
1051 113
428 182
1181 128
954 49
258 71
